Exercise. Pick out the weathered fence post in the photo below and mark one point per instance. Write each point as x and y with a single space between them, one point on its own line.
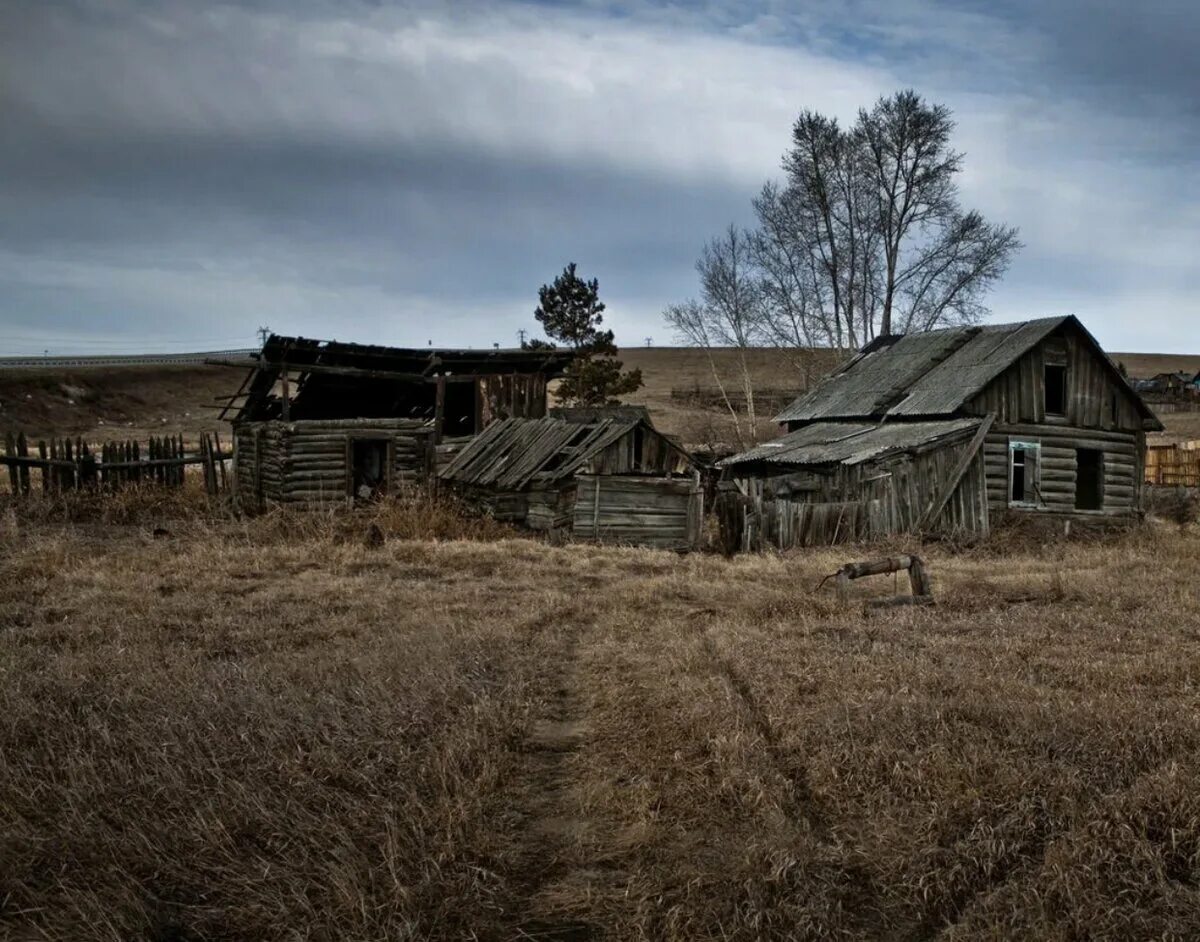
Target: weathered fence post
10 449
221 461
23 469
46 469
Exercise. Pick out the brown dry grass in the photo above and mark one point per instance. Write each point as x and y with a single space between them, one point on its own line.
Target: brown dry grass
269 729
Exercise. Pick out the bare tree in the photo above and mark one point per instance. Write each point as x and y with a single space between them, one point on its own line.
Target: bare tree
937 259
728 315
866 235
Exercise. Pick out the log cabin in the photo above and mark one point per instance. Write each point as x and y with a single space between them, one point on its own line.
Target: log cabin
319 422
945 432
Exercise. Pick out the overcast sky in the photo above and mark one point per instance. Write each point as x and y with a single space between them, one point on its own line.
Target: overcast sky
175 174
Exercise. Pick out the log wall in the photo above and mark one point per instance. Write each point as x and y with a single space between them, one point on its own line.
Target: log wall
308 462
1123 467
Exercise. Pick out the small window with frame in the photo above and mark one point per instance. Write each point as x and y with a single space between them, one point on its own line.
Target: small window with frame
1024 462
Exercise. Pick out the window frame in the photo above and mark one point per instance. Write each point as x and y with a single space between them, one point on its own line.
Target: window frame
1032 481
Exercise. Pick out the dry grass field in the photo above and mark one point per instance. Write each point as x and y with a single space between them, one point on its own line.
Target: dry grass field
223 729
268 729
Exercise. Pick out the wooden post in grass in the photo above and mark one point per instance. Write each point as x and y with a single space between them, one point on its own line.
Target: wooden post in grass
918 578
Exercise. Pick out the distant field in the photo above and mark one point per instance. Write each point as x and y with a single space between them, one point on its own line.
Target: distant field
136 401
267 730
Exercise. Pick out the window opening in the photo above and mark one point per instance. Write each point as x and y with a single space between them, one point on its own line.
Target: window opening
1056 389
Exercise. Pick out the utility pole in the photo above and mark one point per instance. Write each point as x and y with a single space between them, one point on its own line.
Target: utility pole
649 341
263 334
521 335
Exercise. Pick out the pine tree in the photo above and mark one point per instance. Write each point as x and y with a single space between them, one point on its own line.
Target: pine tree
571 312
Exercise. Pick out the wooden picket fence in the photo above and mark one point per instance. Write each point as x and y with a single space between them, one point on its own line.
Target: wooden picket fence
65 464
1175 464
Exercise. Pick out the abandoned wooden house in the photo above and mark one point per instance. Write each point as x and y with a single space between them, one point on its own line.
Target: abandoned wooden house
940 432
610 480
319 421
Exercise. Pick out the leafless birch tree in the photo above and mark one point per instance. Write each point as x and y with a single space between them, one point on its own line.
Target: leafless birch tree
728 315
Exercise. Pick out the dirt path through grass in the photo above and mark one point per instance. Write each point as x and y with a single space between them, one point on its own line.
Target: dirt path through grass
550 829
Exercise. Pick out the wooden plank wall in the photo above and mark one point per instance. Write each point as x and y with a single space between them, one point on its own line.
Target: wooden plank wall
867 501
1173 465
550 507
512 395
661 512
1017 396
1123 461
641 451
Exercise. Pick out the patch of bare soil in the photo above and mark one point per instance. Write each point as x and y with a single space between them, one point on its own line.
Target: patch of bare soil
548 877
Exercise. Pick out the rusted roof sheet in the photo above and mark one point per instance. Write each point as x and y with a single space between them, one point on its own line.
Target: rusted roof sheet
850 443
512 453
932 373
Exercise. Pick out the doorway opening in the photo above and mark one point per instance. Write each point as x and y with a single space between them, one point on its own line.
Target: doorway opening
368 467
1089 479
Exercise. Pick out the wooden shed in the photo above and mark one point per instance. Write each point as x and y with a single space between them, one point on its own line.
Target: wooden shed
837 482
604 479
1056 428
320 421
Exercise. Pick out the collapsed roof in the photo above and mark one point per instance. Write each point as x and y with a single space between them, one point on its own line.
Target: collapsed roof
513 453
328 379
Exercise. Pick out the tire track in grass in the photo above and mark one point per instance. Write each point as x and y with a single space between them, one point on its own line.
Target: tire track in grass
853 883
800 802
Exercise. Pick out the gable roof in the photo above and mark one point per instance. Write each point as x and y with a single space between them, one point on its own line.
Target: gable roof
512 453
850 443
935 373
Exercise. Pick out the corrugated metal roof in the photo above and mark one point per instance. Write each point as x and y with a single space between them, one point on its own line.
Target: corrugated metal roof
932 373
850 442
510 453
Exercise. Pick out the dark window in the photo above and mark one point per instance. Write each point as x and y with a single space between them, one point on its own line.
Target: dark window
1023 472
1089 479
1056 389
368 467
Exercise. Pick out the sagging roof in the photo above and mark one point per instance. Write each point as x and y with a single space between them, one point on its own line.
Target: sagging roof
511 453
317 368
851 443
934 373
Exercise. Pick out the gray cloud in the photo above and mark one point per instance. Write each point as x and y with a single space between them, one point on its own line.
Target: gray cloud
177 173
